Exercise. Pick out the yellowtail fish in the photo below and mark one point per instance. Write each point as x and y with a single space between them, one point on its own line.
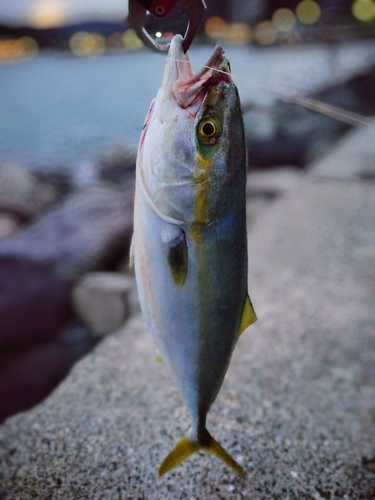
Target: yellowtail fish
189 244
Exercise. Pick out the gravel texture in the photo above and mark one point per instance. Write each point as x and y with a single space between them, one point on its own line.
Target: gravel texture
297 408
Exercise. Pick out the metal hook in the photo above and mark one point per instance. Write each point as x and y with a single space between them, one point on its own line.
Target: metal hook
161 8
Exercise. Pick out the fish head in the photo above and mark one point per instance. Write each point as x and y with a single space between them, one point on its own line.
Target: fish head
193 143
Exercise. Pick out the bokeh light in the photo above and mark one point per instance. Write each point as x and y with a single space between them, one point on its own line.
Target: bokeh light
18 50
215 27
28 46
363 10
265 33
284 20
85 44
308 12
238 34
8 51
131 40
47 14
114 43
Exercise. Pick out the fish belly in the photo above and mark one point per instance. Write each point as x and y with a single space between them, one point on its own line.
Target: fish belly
195 323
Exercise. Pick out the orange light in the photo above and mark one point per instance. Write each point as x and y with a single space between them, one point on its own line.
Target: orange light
8 51
47 14
17 50
215 27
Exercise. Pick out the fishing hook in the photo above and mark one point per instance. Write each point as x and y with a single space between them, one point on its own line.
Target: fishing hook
138 9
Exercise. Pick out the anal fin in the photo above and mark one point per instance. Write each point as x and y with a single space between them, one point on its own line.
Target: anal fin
248 316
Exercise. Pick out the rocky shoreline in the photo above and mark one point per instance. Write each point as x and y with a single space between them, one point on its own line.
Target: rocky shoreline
53 234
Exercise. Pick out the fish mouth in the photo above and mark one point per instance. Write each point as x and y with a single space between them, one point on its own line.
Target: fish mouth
189 88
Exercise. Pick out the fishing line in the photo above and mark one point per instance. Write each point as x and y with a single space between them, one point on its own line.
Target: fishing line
334 112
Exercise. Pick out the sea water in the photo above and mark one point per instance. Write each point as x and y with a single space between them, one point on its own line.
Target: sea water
58 110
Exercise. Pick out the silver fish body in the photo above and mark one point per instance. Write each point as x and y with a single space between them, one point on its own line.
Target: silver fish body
190 243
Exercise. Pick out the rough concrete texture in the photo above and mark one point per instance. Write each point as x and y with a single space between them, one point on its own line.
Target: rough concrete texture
352 158
297 408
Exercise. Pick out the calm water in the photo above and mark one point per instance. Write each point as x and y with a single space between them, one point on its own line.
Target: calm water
58 110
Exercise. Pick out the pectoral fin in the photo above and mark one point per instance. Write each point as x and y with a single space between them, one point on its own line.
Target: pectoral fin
177 255
248 316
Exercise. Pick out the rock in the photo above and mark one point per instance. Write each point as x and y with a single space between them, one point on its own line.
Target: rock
34 303
290 134
22 193
27 376
8 225
101 300
279 150
356 94
60 180
87 230
28 373
258 123
78 338
118 167
85 175
353 158
272 182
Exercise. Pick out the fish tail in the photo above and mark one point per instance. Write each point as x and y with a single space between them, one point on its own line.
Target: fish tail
187 446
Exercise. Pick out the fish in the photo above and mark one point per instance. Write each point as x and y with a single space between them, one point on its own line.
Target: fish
189 244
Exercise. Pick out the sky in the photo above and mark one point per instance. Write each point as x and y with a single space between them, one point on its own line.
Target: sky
49 13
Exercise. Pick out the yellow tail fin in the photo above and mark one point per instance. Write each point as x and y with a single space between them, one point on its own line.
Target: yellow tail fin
187 447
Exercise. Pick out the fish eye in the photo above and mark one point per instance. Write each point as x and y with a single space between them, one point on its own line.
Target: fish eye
209 130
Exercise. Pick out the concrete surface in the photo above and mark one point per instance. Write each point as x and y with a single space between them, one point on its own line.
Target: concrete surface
353 158
297 408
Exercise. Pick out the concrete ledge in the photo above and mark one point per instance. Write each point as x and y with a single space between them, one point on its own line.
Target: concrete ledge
297 407
353 158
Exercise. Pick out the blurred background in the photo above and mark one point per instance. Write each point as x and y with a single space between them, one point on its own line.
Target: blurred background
76 81
75 86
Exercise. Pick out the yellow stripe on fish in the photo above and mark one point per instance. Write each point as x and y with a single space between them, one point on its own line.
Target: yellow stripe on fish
201 180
